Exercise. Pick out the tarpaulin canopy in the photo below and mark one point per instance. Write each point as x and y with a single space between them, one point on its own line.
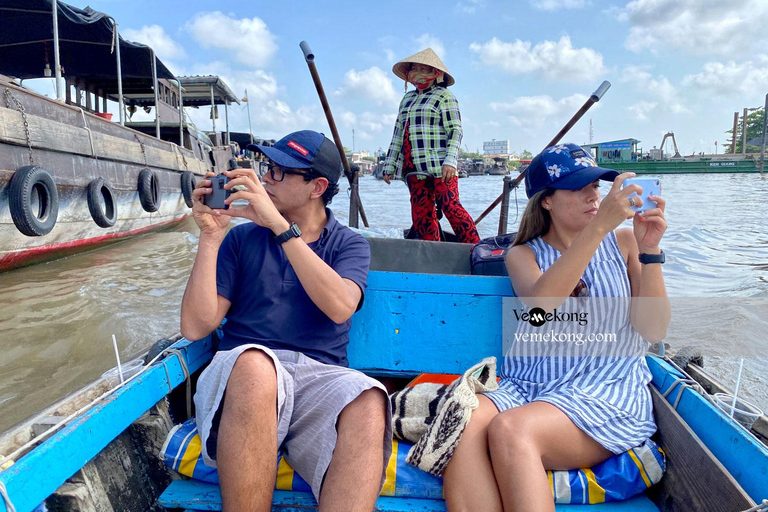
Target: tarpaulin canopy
86 46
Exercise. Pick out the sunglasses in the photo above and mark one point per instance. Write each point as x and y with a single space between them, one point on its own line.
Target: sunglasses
277 173
581 290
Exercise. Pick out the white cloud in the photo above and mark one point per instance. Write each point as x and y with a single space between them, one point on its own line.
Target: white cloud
701 27
732 79
373 84
642 109
248 39
558 5
469 6
429 41
553 60
155 37
534 110
658 89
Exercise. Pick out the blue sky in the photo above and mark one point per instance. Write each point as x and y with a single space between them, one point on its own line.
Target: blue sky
522 68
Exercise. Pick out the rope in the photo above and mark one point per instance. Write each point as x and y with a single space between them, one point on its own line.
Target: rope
8 503
685 383
90 135
185 369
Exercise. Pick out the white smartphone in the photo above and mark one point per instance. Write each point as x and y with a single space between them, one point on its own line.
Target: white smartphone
650 186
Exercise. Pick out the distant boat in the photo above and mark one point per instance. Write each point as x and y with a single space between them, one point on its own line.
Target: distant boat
72 179
623 155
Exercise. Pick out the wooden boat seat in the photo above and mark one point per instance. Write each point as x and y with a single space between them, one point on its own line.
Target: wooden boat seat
191 495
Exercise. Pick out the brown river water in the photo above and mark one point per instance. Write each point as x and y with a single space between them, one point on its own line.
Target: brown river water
57 318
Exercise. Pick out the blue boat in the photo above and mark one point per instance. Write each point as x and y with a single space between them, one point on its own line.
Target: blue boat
104 456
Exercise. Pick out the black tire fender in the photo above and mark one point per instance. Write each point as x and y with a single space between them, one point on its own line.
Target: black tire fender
188 184
101 203
149 190
27 184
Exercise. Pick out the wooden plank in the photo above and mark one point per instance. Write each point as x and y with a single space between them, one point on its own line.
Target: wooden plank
193 495
742 455
695 480
405 316
38 474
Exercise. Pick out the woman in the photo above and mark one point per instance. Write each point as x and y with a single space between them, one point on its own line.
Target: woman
578 405
426 139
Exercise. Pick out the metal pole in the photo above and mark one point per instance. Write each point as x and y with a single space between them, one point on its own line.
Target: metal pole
765 127
121 106
157 97
248 108
594 98
226 116
56 57
735 128
213 115
504 215
181 115
744 133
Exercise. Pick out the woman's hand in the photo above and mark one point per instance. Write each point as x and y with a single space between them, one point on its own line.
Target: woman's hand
615 207
210 221
449 172
649 226
260 208
387 178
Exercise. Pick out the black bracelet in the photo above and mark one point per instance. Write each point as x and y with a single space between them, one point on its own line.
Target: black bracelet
651 258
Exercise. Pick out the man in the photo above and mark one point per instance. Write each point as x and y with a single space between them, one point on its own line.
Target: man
288 283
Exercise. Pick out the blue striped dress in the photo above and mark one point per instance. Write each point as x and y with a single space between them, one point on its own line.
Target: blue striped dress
602 386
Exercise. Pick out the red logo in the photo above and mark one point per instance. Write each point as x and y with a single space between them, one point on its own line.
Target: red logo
497 252
298 147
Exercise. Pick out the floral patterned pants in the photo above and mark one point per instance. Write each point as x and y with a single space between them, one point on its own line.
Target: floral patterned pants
425 193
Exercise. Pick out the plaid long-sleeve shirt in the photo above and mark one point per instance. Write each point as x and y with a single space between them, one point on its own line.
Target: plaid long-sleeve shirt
435 131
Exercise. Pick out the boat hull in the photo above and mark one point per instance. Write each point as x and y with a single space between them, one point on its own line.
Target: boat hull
76 148
703 166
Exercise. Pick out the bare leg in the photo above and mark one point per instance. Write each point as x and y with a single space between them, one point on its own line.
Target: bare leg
526 441
353 479
468 481
247 442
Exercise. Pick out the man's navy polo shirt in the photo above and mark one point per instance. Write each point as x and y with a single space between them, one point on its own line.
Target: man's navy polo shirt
269 304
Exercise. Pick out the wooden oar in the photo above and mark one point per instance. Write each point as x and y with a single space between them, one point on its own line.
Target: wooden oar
594 98
355 204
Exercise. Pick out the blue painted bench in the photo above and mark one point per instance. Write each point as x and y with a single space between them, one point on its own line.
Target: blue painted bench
453 320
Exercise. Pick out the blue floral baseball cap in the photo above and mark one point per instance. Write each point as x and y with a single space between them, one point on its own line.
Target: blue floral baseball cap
564 167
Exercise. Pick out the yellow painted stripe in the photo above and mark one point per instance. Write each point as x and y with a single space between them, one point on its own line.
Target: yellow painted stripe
596 492
640 467
190 457
285 472
551 483
389 483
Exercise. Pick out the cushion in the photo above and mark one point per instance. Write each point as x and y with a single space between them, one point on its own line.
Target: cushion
618 478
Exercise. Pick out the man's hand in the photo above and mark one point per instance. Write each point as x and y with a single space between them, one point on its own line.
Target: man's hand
260 208
210 221
449 172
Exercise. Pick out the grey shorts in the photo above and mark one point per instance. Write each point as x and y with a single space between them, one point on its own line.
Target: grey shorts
310 393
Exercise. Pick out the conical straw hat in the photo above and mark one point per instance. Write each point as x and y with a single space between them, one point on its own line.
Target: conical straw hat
428 57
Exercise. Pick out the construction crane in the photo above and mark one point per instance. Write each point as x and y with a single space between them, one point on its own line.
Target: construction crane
674 143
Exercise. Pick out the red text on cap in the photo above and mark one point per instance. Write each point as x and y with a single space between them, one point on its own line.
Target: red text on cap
298 147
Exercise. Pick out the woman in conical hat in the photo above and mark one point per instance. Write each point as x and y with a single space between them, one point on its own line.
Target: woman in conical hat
426 140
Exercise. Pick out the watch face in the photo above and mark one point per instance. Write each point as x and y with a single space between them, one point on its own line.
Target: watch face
295 230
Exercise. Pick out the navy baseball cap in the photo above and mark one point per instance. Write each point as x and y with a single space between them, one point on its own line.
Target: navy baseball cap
305 149
564 167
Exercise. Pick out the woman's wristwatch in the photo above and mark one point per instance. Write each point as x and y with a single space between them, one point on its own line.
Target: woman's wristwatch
646 258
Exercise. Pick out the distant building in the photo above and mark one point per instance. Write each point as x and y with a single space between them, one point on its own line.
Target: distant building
496 147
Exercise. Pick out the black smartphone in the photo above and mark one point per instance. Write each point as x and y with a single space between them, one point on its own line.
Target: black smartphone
216 199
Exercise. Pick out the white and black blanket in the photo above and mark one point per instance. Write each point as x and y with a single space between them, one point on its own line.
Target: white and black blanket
434 416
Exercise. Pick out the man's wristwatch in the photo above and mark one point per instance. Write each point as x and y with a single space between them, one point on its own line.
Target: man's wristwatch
293 232
651 258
